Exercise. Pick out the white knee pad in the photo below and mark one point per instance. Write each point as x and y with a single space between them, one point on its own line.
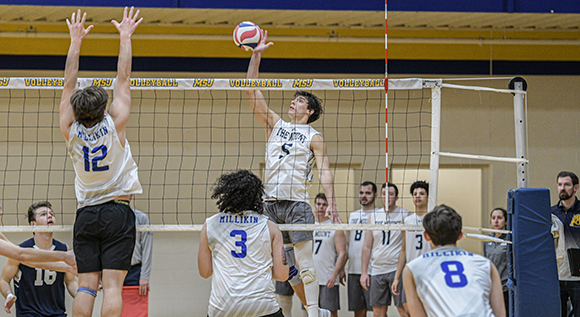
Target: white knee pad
308 276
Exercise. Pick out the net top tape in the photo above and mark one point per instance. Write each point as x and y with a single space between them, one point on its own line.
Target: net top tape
206 83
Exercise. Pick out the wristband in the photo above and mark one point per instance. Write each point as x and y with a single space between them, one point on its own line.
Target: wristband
10 296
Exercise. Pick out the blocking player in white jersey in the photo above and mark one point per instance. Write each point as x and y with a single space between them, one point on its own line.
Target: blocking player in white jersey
449 281
291 150
106 174
358 297
330 256
414 244
382 250
242 249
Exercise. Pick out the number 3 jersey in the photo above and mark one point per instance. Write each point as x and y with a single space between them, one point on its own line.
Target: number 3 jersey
289 161
104 167
241 283
39 292
453 282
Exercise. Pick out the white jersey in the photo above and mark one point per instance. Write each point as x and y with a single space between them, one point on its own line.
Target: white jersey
453 282
324 254
289 160
387 244
241 248
104 167
561 255
415 243
356 240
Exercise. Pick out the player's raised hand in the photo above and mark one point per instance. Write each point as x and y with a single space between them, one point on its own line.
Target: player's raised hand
10 299
76 26
262 45
129 22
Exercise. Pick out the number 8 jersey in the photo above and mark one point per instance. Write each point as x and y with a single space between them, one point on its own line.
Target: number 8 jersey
453 282
104 167
289 161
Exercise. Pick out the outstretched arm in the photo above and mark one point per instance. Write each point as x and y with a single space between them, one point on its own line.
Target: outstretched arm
121 106
267 117
326 180
76 26
27 255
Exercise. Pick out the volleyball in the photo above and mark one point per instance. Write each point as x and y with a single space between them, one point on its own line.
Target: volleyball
247 35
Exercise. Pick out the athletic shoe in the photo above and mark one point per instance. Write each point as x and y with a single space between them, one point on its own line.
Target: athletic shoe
323 312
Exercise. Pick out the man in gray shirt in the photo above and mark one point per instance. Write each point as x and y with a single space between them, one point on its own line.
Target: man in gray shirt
141 260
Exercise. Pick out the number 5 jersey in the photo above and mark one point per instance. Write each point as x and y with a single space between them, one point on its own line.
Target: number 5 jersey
104 167
289 161
453 282
241 283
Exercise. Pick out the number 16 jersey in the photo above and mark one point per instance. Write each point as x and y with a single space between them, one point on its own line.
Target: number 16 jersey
241 283
289 161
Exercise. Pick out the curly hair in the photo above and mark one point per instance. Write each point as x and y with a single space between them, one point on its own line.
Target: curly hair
31 210
238 191
89 105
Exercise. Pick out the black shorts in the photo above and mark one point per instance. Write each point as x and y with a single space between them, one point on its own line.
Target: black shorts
104 237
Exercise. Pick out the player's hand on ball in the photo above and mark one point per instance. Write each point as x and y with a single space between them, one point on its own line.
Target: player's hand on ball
262 45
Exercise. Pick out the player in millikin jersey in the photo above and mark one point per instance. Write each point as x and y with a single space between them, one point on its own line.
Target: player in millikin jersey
449 281
242 250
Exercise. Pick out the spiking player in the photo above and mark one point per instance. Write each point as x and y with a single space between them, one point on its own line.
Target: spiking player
290 152
449 281
242 249
106 174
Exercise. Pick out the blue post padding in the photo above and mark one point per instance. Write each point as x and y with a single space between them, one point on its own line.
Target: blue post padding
535 275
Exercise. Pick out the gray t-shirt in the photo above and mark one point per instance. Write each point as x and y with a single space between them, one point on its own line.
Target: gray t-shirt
497 253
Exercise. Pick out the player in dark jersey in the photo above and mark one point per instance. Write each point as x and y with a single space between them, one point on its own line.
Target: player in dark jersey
40 292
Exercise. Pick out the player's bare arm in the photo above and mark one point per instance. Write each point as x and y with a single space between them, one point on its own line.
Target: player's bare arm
342 255
400 265
496 294
416 308
263 113
121 105
71 283
8 272
27 255
366 258
76 26
279 269
326 180
204 264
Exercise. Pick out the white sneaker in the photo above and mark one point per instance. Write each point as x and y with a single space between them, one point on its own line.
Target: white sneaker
323 312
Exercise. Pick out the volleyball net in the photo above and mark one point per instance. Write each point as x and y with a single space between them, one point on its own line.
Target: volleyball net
184 133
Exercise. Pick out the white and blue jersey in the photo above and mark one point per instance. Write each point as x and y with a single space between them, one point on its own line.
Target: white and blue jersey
241 284
453 282
104 167
415 243
40 292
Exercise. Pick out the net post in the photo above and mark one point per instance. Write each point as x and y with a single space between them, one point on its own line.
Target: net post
435 141
386 107
519 84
